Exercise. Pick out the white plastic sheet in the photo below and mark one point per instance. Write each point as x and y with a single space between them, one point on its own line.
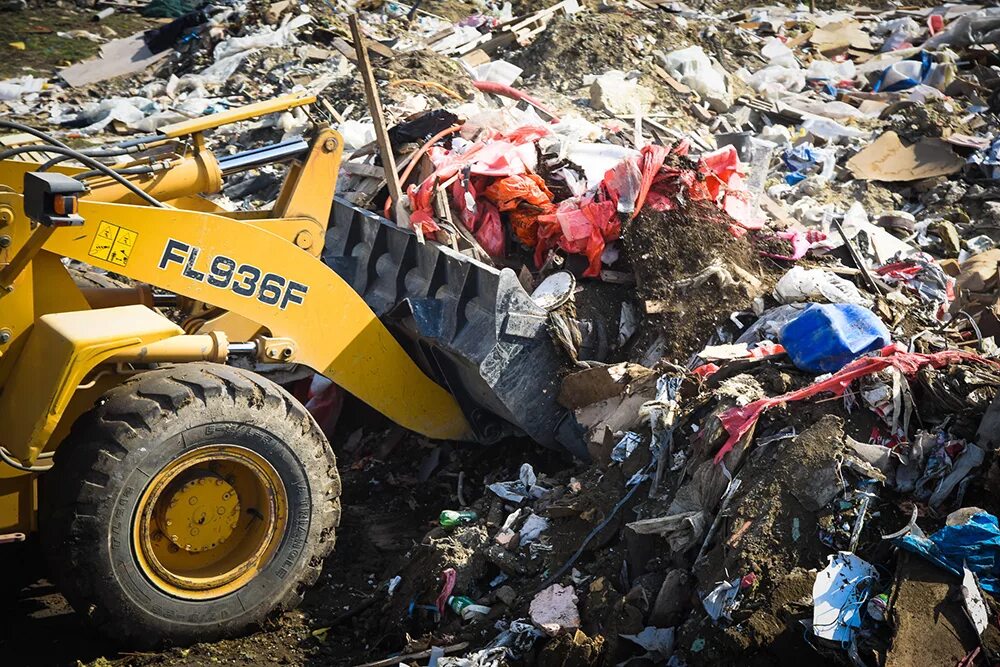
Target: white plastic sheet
801 284
839 594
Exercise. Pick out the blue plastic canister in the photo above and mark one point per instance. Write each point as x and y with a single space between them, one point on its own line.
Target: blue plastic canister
826 337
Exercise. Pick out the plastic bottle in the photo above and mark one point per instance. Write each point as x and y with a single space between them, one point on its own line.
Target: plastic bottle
878 607
452 518
466 607
459 602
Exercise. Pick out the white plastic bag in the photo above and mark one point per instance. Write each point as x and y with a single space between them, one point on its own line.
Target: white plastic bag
801 284
774 80
13 89
693 68
777 53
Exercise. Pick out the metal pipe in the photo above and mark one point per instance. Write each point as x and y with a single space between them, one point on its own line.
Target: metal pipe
191 175
243 348
258 157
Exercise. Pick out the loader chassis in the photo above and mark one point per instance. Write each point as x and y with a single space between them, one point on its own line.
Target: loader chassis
180 499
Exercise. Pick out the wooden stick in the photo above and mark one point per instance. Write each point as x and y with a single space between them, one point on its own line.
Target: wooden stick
392 662
381 132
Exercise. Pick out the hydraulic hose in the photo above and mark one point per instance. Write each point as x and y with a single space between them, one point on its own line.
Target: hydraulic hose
507 91
90 162
416 158
6 457
136 170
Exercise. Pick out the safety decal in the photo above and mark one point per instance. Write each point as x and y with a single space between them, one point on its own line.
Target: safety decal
113 243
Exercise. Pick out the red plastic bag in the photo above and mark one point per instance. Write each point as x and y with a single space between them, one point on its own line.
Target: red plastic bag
489 230
623 183
580 226
653 157
422 212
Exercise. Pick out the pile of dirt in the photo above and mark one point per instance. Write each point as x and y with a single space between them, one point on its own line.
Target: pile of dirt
772 535
452 10
427 73
914 121
691 272
588 44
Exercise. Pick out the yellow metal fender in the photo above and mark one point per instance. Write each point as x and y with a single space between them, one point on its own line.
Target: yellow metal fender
60 350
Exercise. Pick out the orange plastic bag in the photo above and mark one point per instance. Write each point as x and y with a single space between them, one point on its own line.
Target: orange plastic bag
507 193
524 222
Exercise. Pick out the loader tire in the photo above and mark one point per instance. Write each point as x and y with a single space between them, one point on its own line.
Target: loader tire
188 505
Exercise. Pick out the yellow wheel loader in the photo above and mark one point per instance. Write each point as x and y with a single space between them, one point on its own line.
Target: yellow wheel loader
180 492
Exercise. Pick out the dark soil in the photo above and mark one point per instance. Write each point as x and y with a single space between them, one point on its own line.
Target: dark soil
672 246
779 545
394 489
590 43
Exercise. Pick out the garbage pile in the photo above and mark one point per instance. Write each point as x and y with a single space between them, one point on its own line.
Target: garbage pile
790 220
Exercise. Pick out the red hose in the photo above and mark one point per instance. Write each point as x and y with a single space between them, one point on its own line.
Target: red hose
416 158
513 93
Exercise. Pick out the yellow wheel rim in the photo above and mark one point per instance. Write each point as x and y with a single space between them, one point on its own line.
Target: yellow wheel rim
209 521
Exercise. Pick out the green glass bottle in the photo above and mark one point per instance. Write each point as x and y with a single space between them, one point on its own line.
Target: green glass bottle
452 518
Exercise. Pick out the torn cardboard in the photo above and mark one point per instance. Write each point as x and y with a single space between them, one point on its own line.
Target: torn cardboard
841 36
118 57
888 160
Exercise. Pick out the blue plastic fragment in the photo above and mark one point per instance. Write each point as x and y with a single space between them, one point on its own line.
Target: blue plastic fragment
826 337
976 543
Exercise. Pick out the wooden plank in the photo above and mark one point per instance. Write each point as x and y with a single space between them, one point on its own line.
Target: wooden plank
333 112
380 48
503 39
476 58
348 50
569 6
378 119
362 169
345 49
671 81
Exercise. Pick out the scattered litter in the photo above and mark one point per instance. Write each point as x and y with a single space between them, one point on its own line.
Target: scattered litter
626 230
523 488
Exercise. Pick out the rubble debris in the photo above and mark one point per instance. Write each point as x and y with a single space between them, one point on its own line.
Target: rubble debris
554 610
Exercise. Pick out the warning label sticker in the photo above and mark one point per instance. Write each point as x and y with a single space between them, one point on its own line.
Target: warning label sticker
113 243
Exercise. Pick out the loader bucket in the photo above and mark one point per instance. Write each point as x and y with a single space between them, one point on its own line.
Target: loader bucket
470 326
